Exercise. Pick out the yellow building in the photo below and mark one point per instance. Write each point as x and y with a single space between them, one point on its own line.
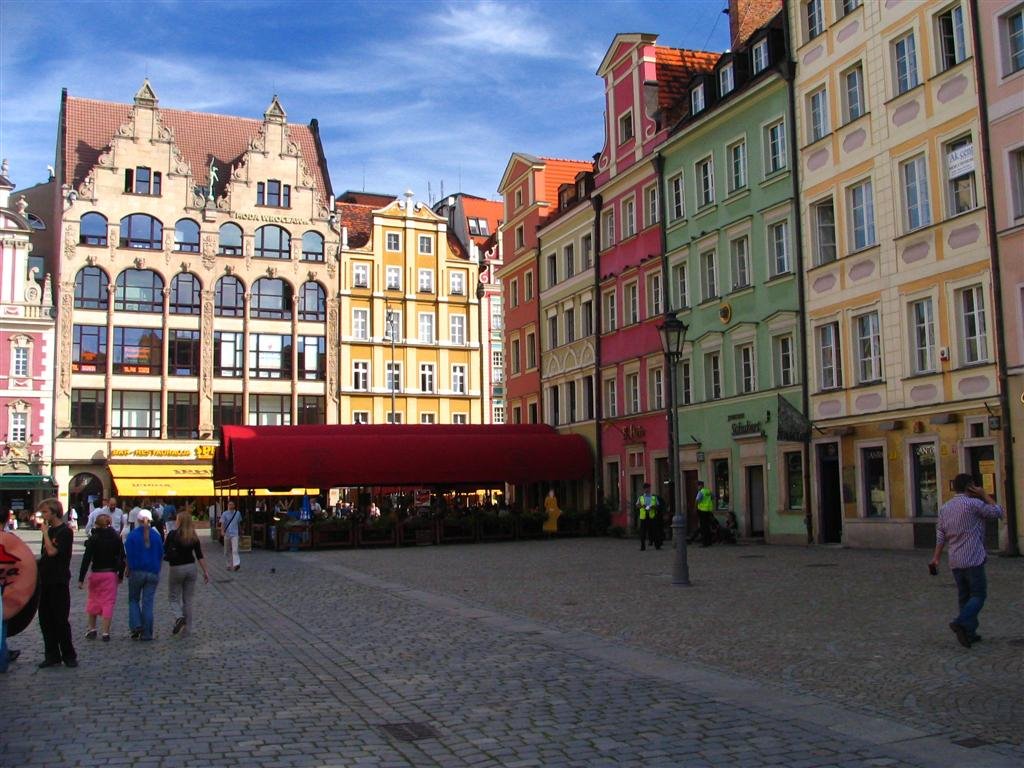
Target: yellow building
410 325
901 352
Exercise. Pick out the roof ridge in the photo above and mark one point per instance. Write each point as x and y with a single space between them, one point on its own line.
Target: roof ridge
159 108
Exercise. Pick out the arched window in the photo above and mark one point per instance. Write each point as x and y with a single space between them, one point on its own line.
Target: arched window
91 285
139 290
92 230
312 302
230 240
273 242
271 299
186 236
185 294
312 246
229 297
139 230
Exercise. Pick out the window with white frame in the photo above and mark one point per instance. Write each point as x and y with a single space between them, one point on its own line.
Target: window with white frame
569 323
759 56
515 356
737 166
459 379
426 244
951 37
361 324
360 417
361 376
360 275
427 418
611 405
586 252
650 205
869 348
654 302
746 368
853 92
520 236
519 198
426 281
681 284
817 110
814 17
552 264
740 257
626 126
609 316
726 80
960 189
497 366
686 382
457 283
848 6
18 430
914 180
498 414
513 293
904 56
457 329
676 198
785 360
569 259
552 330
1011 40
531 351
628 217
697 99
528 286
862 214
586 318
393 417
713 376
20 355
922 336
823 219
656 381
393 242
778 242
633 392
828 356
394 376
1017 182
460 418
775 147
608 222
392 325
394 278
970 303
632 303
706 181
425 323
709 274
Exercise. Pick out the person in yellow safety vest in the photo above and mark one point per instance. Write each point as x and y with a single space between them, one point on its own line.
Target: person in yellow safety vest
706 512
647 504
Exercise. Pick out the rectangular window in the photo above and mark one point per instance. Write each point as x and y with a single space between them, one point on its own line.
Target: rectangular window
270 356
828 356
515 356
457 283
869 349
586 252
142 181
706 181
737 166
312 354
697 99
138 351
952 47
814 13
135 414
625 127
760 56
394 278
609 318
88 412
973 327
778 241
904 51
361 324
656 381
848 6
1017 182
312 409
1012 31
746 367
862 215
427 377
775 147
426 244
709 274
392 325
360 275
361 376
676 198
712 376
914 178
609 228
726 81
270 410
853 93
89 349
686 382
183 415
633 392
872 465
393 377
587 318
394 242
18 428
552 331
569 259
426 281
628 218
19 364
922 336
785 361
650 206
569 323
960 175
824 217
682 285
552 269
498 412
531 352
513 294
497 366
740 250
817 108
426 327
227 354
528 286
654 303
360 417
227 410
182 353
925 479
610 399
427 418
459 379
588 398
572 411
520 237
632 303
457 329
794 463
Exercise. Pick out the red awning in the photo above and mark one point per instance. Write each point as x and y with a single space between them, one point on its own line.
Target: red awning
407 455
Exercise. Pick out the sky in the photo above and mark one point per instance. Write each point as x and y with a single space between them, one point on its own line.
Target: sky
407 94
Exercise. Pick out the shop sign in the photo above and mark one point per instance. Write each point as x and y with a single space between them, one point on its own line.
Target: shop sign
201 452
634 432
269 218
745 428
960 161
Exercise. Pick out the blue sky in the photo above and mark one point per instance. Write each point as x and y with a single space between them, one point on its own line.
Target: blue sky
406 93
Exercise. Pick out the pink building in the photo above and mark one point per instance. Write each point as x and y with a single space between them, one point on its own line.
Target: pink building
1001 65
26 361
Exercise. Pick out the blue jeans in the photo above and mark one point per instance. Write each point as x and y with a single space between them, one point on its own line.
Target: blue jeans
972 588
141 593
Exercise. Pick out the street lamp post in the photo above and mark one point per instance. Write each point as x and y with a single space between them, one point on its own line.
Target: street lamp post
392 319
673 335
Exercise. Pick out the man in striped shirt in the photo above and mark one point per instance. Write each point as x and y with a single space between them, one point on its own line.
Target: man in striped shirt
962 526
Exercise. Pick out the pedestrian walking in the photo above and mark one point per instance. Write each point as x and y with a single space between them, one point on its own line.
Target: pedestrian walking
182 551
229 530
117 516
706 512
961 526
72 520
144 552
647 504
104 552
55 586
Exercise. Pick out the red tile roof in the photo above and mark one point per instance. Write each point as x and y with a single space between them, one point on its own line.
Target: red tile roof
455 247
478 208
375 199
675 68
90 125
359 221
558 172
748 16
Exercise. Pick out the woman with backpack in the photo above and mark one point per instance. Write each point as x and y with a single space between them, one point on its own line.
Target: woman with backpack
182 551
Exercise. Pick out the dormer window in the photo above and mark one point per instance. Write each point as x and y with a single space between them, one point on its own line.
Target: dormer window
626 127
142 181
274 194
760 56
697 99
478 227
726 81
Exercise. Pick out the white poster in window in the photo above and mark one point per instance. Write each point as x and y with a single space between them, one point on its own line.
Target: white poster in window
960 161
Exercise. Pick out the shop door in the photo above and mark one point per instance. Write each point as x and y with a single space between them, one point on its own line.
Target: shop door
830 494
755 499
981 465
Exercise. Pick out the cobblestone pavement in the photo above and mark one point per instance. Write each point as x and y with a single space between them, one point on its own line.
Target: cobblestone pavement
561 653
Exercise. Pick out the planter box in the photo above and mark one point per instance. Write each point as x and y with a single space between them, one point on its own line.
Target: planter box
574 525
373 536
418 532
529 528
457 531
495 528
294 537
325 536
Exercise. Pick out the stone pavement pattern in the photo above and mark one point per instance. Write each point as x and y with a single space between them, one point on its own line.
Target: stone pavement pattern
303 659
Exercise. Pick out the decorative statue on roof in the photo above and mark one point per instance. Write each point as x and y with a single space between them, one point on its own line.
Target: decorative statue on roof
213 180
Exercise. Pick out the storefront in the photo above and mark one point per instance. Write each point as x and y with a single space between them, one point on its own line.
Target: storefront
21 493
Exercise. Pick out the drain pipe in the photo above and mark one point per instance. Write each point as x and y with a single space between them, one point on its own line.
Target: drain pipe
596 201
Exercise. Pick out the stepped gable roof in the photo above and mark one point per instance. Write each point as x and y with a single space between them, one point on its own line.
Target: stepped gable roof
558 172
90 126
675 69
359 221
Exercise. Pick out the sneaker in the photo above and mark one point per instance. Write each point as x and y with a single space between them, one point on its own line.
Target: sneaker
90 635
70 662
961 634
49 663
178 624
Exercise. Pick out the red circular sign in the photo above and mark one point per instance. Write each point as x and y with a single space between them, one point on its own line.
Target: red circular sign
17 574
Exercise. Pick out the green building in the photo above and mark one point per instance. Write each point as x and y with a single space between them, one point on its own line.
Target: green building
731 263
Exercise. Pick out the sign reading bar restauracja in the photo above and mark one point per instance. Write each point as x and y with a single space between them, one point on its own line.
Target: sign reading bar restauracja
202 452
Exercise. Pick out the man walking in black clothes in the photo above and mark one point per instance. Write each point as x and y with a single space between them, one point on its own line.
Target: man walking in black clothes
54 586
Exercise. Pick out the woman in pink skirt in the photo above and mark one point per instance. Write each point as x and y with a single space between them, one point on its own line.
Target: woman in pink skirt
104 551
